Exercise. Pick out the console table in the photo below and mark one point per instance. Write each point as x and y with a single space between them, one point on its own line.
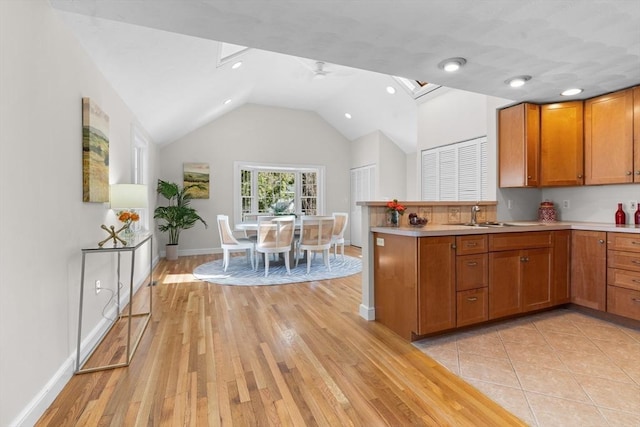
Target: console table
138 241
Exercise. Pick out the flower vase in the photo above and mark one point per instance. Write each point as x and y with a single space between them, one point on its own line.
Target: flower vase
395 218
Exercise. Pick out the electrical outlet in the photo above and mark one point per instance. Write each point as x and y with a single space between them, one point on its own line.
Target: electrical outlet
566 204
633 206
98 287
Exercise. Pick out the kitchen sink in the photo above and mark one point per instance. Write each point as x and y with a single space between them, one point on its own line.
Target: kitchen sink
490 224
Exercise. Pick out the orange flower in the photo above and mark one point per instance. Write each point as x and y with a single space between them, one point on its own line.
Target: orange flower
395 206
128 217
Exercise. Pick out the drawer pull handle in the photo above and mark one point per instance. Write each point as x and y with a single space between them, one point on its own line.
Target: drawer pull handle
635 280
601 241
524 259
472 263
635 299
635 261
472 244
633 242
473 299
629 173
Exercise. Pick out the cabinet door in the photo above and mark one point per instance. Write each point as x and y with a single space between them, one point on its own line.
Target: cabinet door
561 287
519 145
609 138
561 144
395 282
589 269
472 307
636 133
436 284
535 281
504 283
471 271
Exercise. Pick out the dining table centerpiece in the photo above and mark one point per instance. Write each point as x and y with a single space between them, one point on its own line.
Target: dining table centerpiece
395 210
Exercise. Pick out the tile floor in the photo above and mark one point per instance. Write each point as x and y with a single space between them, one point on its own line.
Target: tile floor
558 368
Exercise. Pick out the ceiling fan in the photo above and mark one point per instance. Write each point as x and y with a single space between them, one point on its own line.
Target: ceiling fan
321 70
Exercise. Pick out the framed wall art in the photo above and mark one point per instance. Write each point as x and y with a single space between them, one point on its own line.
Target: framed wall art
95 153
197 174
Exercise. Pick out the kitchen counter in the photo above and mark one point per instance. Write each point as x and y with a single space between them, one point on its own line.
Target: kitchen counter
516 226
367 310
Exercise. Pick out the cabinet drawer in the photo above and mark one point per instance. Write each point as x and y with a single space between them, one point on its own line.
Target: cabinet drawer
512 241
623 278
466 245
623 260
473 307
623 302
623 242
472 271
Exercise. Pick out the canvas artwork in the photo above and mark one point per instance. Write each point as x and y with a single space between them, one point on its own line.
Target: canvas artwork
95 153
197 173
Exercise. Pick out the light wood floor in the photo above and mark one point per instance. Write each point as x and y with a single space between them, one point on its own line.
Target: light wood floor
293 355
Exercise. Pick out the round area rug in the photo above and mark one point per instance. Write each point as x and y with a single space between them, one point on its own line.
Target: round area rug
240 273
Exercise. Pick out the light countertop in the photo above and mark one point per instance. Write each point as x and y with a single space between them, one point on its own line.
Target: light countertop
519 226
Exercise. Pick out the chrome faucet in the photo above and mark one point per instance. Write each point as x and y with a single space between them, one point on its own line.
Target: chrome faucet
474 213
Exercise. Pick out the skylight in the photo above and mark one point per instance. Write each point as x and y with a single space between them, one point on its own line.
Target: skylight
415 88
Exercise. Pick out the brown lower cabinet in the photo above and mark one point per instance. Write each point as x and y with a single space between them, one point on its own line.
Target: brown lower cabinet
424 285
589 269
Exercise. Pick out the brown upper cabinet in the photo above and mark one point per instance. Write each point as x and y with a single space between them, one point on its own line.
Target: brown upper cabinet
561 144
519 145
609 145
636 133
590 142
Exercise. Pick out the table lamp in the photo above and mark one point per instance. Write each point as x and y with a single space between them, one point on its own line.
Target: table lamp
124 196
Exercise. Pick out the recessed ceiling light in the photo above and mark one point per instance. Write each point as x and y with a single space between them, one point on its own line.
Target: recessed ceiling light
452 64
347 115
518 81
391 90
571 92
237 65
227 101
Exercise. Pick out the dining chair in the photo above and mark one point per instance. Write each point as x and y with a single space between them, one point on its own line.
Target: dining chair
337 236
230 243
275 236
315 236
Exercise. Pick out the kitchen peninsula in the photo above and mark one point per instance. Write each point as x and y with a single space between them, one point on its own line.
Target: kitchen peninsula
422 281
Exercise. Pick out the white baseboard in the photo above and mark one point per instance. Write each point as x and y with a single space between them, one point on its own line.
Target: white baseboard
185 252
41 401
368 313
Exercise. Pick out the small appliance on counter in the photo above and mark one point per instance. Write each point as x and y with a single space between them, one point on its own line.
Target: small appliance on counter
547 212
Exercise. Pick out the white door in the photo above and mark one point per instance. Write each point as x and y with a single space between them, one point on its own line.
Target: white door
362 189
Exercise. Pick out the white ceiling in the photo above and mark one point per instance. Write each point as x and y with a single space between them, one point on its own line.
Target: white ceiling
162 56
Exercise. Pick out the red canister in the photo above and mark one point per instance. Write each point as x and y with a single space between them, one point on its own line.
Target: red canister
547 212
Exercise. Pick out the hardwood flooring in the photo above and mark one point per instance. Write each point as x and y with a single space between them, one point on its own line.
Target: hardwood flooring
291 355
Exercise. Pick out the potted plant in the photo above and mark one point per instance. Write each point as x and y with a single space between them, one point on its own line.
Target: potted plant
177 216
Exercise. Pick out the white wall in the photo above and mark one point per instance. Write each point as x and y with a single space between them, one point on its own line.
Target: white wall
596 203
44 73
390 161
255 133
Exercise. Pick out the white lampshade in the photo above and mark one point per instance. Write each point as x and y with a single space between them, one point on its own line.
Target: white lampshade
128 196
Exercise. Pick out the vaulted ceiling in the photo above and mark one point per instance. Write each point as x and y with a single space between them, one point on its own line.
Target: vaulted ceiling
163 57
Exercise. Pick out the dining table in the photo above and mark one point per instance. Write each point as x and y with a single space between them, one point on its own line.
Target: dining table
252 225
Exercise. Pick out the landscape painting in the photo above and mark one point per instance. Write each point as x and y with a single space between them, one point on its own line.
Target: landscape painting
197 174
95 153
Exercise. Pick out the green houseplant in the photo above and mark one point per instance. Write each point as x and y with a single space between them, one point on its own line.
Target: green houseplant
177 216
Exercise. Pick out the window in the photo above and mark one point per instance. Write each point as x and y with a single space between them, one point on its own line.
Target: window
139 161
456 172
277 190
